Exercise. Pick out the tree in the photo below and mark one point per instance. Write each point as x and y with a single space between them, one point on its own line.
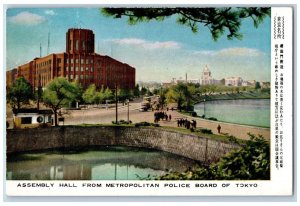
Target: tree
251 162
108 95
136 91
217 20
59 93
257 85
90 94
19 93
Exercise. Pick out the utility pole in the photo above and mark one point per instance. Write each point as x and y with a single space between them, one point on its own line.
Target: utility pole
116 98
128 111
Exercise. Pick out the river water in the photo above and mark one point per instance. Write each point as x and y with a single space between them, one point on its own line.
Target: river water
254 112
105 163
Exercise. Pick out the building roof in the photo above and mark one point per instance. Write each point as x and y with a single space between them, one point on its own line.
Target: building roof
32 111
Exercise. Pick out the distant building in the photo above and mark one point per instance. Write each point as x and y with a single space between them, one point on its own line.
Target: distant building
207 79
194 81
265 85
249 83
78 63
233 81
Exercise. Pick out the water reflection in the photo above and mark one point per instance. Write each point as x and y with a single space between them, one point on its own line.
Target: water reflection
110 163
244 111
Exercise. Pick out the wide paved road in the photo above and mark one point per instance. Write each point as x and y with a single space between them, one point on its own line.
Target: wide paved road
102 115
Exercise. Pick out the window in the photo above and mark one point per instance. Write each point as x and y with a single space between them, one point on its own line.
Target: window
76 76
92 61
71 76
26 120
92 69
87 61
81 69
87 69
76 61
71 68
76 44
83 45
72 61
81 76
86 76
67 68
76 68
81 61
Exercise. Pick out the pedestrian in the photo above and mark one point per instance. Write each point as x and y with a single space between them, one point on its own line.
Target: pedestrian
170 117
219 129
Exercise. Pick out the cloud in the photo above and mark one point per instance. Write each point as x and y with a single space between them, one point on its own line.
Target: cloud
150 45
27 18
50 12
231 52
243 51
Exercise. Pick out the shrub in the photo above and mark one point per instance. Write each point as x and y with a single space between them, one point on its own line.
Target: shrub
251 162
213 119
206 131
194 114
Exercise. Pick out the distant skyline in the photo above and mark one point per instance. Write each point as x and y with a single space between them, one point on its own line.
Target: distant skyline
158 50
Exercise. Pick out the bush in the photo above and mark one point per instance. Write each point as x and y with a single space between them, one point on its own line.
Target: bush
251 162
194 114
122 122
145 124
206 131
203 116
212 118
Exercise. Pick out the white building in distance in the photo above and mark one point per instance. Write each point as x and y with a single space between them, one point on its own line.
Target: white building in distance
206 78
233 81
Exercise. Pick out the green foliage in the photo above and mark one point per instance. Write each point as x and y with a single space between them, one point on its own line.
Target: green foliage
257 85
124 94
251 162
89 94
218 20
19 93
59 93
204 131
145 124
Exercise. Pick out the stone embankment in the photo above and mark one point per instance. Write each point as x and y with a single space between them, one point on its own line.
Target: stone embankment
198 148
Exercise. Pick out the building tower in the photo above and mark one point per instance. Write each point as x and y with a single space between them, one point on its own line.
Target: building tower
80 41
206 76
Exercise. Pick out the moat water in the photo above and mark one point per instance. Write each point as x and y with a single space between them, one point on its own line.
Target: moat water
105 163
254 112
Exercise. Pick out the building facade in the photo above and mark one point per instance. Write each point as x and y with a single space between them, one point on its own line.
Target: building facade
233 81
78 63
207 79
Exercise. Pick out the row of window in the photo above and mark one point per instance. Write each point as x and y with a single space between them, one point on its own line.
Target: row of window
77 69
45 63
81 61
81 76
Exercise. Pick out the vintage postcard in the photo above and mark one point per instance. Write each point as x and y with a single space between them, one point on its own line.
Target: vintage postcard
149 101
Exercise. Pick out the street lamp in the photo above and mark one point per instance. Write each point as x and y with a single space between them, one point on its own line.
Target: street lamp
204 107
127 101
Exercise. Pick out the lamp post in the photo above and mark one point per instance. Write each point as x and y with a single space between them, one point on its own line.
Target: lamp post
204 107
116 98
127 101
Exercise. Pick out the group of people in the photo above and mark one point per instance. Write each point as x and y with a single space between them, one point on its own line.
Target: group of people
161 116
186 123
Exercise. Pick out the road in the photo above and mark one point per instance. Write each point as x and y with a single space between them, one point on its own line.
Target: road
106 116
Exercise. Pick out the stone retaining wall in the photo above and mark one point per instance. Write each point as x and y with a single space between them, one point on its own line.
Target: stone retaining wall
190 146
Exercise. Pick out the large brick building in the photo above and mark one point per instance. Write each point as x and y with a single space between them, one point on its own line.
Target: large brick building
79 62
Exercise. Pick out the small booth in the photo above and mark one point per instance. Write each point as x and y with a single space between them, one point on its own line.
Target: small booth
30 118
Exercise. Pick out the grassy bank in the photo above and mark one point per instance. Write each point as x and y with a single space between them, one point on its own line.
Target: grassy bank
234 96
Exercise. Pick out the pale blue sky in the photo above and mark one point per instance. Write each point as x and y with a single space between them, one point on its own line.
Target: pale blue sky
158 50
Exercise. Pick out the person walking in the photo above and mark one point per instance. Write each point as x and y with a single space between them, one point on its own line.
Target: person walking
219 129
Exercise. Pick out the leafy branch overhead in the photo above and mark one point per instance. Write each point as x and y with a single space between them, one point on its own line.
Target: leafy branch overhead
217 20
